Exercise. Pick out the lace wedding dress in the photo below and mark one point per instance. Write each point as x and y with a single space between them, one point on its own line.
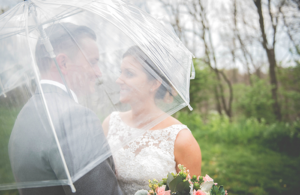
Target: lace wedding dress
151 156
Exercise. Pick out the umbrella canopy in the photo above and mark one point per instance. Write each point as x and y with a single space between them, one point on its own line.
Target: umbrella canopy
65 67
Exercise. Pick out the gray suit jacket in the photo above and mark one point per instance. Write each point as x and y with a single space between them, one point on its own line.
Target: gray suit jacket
34 153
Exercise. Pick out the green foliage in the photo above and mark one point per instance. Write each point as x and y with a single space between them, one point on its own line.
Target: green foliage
179 186
196 186
254 101
219 128
283 137
217 191
249 101
153 184
279 136
290 101
177 183
169 179
289 79
201 87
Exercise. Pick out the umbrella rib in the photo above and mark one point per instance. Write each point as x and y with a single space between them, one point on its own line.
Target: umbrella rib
32 28
7 20
3 90
46 107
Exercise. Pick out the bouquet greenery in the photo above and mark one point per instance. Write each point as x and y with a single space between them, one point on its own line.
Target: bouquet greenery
183 184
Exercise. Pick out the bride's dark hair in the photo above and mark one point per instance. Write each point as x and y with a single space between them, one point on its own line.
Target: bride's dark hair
150 69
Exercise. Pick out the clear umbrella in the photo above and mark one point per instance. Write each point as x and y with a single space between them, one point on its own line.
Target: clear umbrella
65 67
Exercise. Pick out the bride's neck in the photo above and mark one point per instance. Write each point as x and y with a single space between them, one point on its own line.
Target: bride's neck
144 112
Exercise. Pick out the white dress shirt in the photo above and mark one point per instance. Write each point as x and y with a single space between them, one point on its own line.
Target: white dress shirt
63 87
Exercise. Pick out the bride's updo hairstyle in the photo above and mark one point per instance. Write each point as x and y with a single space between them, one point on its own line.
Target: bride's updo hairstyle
151 70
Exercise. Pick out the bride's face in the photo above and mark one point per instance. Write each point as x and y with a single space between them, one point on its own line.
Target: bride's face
134 82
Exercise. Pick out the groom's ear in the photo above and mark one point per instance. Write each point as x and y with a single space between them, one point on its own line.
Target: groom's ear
62 61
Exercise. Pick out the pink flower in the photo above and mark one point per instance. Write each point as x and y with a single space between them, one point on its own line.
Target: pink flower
188 177
168 192
207 178
199 192
161 191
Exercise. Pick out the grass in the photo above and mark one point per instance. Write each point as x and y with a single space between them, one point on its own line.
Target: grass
248 157
250 169
9 192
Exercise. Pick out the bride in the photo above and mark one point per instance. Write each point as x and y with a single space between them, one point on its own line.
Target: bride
159 150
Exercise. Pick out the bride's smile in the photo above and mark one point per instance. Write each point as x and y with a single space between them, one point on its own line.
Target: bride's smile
134 82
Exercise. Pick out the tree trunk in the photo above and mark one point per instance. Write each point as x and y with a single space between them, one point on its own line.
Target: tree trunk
273 81
219 109
271 58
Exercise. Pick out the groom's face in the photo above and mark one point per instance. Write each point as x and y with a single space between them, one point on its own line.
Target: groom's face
82 69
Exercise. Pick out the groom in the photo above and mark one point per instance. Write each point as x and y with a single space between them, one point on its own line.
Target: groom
34 154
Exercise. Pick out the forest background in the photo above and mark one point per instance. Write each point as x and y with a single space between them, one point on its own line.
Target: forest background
246 94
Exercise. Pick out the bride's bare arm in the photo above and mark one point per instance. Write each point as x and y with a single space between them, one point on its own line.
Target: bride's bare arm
187 152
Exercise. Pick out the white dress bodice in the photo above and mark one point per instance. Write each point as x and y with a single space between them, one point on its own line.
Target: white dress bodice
150 156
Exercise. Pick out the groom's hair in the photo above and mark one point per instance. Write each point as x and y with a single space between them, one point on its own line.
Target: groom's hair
64 38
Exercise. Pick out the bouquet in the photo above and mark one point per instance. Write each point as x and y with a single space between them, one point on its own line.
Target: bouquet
183 184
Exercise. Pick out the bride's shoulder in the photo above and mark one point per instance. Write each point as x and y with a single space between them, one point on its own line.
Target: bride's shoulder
168 122
184 135
173 121
105 123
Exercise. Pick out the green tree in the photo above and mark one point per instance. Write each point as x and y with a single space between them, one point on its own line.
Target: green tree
255 101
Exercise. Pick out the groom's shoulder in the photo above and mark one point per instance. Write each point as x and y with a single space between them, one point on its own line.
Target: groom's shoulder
79 113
